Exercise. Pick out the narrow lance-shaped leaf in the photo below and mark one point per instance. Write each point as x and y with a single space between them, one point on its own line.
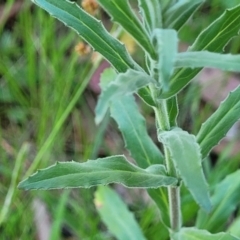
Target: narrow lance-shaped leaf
177 15
122 13
173 110
214 38
114 169
225 200
199 234
125 112
219 123
91 30
225 62
151 14
166 42
160 197
186 156
115 214
145 94
124 84
133 127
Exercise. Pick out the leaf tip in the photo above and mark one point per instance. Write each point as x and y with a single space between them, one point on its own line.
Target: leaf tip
22 185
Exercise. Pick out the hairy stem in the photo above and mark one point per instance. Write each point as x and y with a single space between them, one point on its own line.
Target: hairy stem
174 208
163 123
173 196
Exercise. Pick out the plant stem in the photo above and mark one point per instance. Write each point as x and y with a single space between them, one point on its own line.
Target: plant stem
163 123
174 208
173 196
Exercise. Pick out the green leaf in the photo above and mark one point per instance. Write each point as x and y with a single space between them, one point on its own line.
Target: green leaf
229 4
166 42
160 197
219 123
177 15
121 12
91 30
186 156
172 109
166 4
151 14
107 76
197 234
115 214
124 84
133 128
225 62
145 94
114 169
214 38
225 201
234 227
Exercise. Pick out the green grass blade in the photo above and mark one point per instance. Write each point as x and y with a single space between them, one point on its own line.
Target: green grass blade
58 219
91 30
177 15
225 200
14 86
166 42
123 84
214 38
133 128
114 169
186 156
218 124
60 121
115 214
151 14
121 12
225 62
5 12
199 234
12 188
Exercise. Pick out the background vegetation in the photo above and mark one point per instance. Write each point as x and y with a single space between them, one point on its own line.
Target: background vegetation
46 115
